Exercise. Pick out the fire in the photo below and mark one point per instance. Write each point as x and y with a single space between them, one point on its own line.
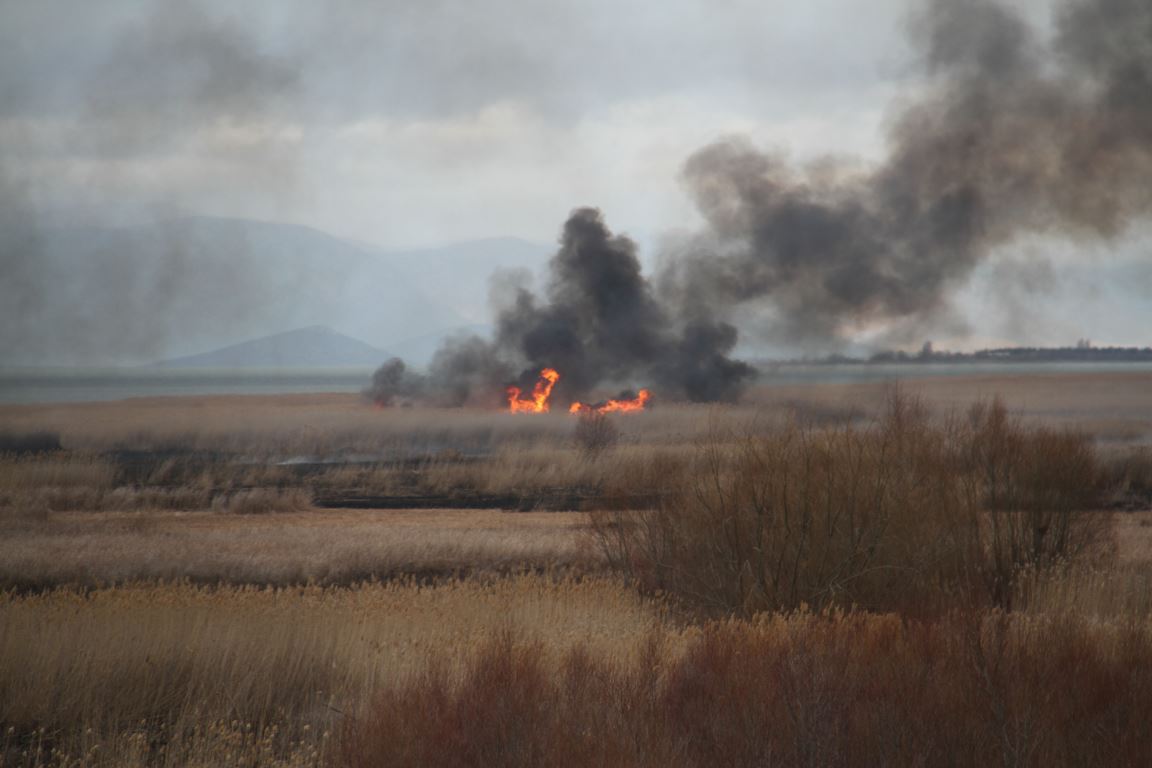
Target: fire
624 406
540 394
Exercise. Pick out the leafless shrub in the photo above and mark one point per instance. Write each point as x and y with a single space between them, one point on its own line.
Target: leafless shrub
904 513
1036 488
808 689
595 433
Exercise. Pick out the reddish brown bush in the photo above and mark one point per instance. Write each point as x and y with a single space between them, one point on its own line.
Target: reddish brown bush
831 690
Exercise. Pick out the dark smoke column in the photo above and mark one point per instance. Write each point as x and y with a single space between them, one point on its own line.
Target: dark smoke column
1014 135
599 324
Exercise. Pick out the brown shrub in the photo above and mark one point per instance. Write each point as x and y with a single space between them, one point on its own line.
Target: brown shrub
595 433
902 514
1033 486
826 690
181 671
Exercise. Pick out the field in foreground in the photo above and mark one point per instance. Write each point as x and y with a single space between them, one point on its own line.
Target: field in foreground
820 576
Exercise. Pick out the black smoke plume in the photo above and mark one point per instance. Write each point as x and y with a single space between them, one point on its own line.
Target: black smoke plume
599 324
1014 135
393 384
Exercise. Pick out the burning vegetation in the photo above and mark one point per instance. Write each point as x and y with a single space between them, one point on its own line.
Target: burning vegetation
538 403
600 323
540 399
623 405
1015 133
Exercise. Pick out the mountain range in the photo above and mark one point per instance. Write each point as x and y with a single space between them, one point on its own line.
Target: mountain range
313 347
171 289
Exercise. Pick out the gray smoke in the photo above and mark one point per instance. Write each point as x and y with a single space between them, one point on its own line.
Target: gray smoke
393 384
82 289
1013 135
599 323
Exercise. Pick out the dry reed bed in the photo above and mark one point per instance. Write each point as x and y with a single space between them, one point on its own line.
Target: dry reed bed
35 485
326 547
1116 404
319 425
1110 404
1090 592
224 450
196 670
527 671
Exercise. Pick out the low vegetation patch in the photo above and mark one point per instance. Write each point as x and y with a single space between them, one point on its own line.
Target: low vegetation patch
826 690
824 581
904 513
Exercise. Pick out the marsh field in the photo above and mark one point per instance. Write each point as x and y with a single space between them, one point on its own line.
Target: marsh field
957 571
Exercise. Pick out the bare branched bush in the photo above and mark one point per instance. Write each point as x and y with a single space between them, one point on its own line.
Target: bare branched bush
595 433
904 513
1035 487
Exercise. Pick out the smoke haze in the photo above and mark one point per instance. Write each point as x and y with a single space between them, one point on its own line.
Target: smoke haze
361 116
599 324
1011 135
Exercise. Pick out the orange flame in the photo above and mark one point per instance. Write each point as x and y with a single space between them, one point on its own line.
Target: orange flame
540 394
623 406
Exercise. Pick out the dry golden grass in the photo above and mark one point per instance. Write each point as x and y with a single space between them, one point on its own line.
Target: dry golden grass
1112 405
1121 593
197 670
316 425
168 674
1133 535
321 546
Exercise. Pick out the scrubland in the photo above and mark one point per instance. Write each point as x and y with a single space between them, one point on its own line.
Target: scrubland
821 575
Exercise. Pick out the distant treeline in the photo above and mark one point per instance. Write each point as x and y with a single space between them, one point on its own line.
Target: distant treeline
1080 353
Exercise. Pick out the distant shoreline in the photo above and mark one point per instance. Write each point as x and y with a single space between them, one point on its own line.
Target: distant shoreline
77 385
927 356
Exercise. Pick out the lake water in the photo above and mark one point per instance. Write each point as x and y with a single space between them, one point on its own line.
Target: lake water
83 385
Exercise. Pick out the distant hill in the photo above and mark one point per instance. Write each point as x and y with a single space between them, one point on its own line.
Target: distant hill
166 288
313 347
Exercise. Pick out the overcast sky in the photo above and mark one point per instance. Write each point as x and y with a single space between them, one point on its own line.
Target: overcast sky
409 123
425 122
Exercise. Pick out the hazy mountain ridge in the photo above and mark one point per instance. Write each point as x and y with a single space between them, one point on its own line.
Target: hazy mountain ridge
313 347
167 289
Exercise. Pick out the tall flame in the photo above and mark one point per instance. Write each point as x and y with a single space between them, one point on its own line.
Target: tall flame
624 406
540 394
